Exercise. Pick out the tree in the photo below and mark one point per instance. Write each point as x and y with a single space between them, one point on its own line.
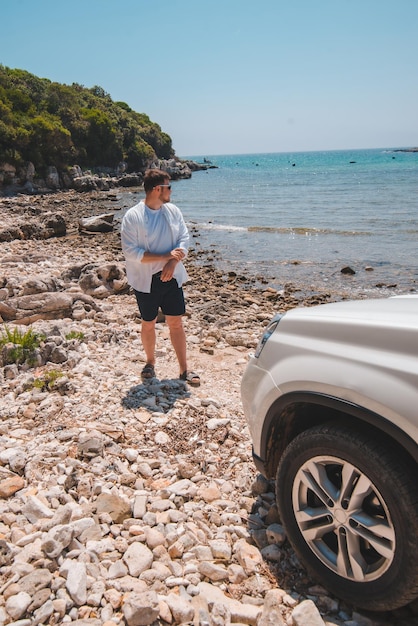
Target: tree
102 142
49 123
49 142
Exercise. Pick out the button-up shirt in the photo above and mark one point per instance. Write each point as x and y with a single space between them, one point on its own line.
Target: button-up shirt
157 231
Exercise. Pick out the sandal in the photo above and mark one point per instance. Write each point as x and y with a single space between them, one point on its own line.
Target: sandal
191 378
148 371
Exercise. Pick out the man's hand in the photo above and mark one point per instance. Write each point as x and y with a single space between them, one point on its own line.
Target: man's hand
177 254
168 270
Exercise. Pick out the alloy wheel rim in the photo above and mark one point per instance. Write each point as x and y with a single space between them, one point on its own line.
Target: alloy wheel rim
343 518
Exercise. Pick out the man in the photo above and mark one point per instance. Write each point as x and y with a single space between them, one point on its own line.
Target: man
155 240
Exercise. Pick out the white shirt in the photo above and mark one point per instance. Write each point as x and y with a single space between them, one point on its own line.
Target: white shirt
157 231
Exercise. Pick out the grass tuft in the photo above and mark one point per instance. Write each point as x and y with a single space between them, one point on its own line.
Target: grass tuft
24 344
47 382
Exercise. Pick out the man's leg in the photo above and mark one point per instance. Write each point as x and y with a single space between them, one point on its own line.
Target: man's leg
148 340
178 339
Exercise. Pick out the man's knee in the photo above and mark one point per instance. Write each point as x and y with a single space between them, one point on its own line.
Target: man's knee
174 321
148 326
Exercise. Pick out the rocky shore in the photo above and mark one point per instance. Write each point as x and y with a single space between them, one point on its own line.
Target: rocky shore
26 180
125 502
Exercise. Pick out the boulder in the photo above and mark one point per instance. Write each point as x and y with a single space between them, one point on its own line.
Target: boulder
42 306
104 280
46 226
96 224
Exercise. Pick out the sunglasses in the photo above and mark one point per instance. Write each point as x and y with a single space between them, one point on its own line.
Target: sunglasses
168 186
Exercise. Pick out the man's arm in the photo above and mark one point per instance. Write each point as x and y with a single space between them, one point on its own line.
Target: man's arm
175 255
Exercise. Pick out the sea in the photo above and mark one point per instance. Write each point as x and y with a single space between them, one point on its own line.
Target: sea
301 217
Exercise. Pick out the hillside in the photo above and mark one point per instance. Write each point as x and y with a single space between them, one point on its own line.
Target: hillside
52 124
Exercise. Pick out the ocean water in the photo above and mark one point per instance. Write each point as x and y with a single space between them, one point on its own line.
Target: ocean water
301 217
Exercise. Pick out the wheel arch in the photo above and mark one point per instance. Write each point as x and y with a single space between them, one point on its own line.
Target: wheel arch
296 412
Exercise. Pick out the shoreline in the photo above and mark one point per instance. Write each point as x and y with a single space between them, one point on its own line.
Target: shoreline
228 253
303 284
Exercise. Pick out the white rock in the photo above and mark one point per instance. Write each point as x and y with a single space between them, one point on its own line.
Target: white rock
131 454
215 423
76 583
213 571
240 612
220 549
307 613
180 608
117 569
248 556
138 558
141 609
16 605
34 509
183 487
43 613
140 506
161 438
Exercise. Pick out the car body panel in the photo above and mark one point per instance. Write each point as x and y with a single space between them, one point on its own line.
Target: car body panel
364 353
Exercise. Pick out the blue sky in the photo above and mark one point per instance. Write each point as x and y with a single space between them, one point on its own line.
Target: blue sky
235 76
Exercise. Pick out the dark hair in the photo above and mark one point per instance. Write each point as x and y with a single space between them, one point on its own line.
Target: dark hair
153 178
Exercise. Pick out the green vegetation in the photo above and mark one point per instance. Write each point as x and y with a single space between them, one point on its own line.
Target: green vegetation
49 123
47 381
74 334
24 344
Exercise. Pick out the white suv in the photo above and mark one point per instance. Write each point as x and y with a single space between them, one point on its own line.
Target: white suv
331 399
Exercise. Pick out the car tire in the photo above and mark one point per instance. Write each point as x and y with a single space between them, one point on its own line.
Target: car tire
349 505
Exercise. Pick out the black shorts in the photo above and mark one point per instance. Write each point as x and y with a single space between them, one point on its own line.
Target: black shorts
167 296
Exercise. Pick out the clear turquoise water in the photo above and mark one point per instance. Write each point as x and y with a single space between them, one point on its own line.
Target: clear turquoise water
301 217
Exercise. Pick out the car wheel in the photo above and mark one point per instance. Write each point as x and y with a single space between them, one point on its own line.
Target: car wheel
350 509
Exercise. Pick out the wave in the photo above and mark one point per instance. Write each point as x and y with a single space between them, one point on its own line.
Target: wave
284 230
301 230
209 226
